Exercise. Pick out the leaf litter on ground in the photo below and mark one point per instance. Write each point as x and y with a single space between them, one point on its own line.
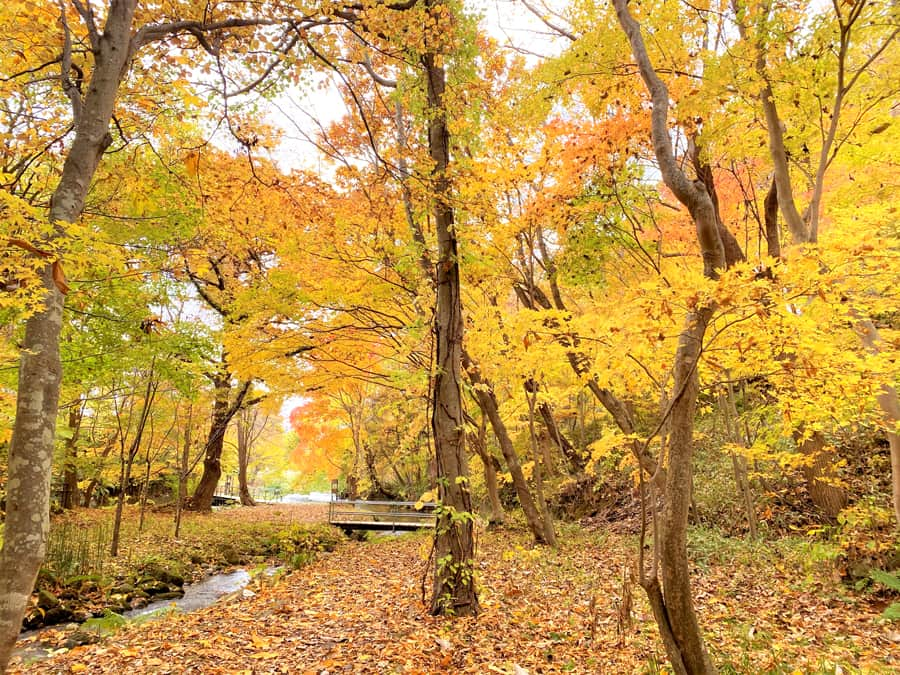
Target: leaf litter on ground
360 610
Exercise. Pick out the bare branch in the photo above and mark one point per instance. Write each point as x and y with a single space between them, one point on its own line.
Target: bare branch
547 22
70 88
87 15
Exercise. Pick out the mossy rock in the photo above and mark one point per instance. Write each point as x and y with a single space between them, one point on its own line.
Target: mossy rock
154 587
82 579
59 614
81 637
230 556
162 573
117 600
47 579
47 600
171 595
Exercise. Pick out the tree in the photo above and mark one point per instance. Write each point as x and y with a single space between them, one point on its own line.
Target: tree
454 580
673 605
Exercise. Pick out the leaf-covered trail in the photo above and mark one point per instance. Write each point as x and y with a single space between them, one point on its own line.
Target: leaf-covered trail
359 610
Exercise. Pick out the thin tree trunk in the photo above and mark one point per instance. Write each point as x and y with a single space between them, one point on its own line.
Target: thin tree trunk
533 298
247 434
487 401
770 211
454 548
538 475
243 486
183 470
739 464
491 467
573 457
31 448
92 486
145 487
70 470
127 460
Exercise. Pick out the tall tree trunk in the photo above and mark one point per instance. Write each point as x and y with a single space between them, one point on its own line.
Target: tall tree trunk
676 581
487 401
31 448
224 409
454 549
673 608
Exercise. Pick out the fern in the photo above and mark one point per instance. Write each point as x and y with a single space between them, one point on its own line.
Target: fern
887 579
891 581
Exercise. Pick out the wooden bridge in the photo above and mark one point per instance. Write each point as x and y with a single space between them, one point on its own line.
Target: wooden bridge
359 514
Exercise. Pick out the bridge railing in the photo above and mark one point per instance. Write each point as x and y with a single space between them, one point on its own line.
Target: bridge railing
360 514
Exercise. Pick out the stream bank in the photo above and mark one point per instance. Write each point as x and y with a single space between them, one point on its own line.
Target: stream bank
80 581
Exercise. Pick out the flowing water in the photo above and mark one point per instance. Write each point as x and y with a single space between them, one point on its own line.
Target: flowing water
196 596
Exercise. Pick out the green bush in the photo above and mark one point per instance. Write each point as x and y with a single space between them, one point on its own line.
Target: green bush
298 545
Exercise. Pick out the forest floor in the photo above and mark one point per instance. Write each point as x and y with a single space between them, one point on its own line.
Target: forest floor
764 609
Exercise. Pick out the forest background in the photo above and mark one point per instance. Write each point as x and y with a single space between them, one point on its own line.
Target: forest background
650 273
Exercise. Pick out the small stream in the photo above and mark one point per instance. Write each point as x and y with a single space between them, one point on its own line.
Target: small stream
196 596
199 595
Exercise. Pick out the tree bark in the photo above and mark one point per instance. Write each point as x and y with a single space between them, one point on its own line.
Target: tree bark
676 581
818 473
454 548
183 470
573 457
890 406
783 190
538 475
31 447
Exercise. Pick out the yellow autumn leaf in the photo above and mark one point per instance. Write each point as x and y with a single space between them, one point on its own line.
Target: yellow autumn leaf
264 655
192 163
